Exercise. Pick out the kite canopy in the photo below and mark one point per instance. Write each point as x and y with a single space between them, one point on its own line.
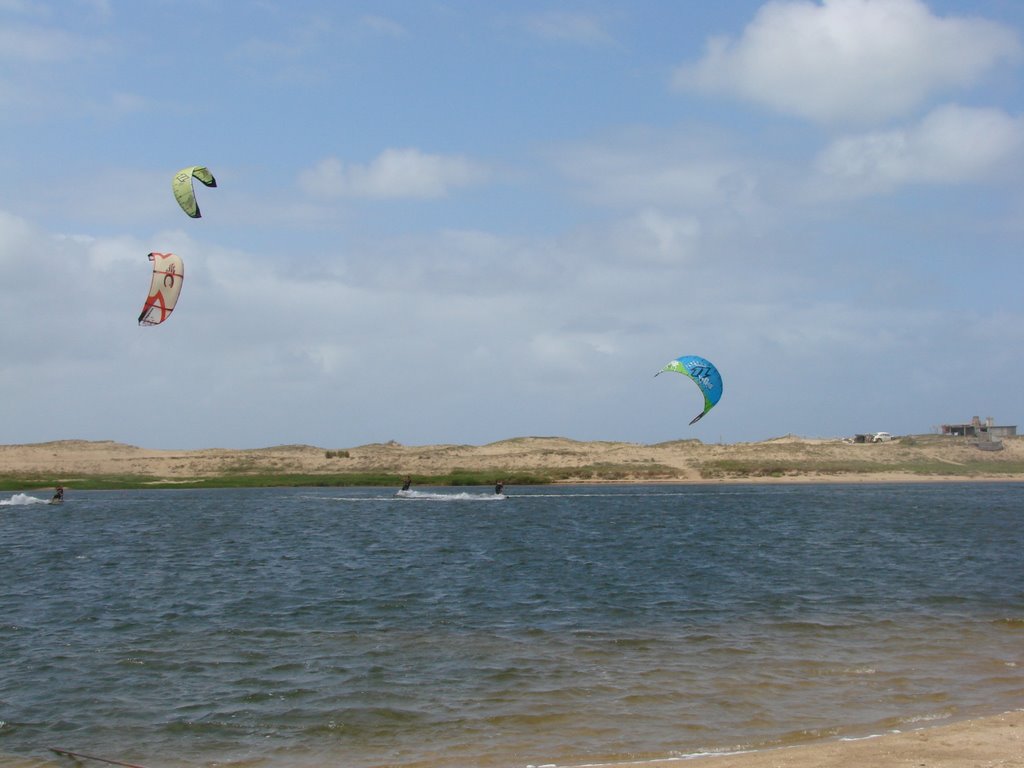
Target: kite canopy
704 374
184 191
168 275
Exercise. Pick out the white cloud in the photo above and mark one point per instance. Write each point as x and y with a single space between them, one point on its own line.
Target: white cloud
20 6
35 45
570 27
383 25
663 237
951 145
394 174
292 52
650 238
33 55
101 8
849 60
562 357
652 171
15 235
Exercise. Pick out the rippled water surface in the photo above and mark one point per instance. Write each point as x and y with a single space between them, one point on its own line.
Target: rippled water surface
563 625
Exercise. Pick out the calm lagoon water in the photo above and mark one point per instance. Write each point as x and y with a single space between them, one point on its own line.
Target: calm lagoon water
563 625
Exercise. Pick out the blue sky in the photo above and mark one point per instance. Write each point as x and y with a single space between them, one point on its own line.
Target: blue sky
458 222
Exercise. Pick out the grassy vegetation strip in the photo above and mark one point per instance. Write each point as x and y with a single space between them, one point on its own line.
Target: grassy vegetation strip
734 468
716 469
612 472
247 479
266 480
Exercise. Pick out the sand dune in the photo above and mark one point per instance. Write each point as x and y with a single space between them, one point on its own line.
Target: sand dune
785 459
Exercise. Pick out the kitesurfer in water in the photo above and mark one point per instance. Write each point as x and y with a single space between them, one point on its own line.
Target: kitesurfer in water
407 483
58 495
499 486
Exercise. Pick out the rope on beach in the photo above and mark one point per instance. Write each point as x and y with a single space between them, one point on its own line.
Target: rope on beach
80 756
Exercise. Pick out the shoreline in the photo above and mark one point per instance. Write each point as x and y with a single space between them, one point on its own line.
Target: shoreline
994 741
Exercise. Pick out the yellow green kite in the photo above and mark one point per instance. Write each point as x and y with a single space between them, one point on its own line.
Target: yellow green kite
184 192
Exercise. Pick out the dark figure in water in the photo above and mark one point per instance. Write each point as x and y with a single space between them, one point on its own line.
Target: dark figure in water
407 483
499 486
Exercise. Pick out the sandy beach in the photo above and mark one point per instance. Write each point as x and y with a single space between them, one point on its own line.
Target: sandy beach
785 459
990 742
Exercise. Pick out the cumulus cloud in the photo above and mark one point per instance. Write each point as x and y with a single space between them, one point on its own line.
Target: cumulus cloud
394 174
858 61
645 171
650 238
951 145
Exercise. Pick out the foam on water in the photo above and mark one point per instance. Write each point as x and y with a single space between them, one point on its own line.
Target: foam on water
22 500
440 496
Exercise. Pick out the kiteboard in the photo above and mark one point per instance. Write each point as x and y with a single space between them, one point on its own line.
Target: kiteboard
55 501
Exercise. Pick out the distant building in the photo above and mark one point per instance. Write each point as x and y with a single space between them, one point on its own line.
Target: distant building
978 429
